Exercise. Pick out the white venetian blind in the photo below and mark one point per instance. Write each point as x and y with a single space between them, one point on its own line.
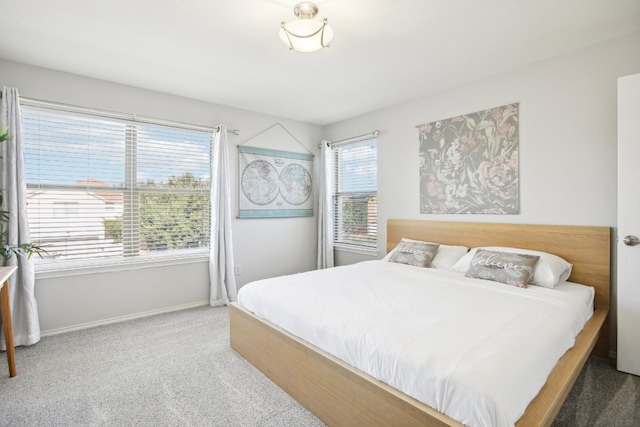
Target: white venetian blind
355 197
107 189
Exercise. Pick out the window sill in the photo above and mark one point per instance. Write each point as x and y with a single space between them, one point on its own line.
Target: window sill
151 262
356 250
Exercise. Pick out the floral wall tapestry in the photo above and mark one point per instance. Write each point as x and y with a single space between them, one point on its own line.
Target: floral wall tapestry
469 164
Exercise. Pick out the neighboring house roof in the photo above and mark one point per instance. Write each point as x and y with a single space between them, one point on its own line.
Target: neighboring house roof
111 197
92 182
42 193
107 196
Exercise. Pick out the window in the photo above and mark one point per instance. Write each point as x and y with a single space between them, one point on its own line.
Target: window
111 189
355 194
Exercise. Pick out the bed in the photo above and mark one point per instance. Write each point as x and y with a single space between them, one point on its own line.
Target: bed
340 394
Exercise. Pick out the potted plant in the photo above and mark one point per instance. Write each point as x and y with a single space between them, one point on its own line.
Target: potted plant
7 250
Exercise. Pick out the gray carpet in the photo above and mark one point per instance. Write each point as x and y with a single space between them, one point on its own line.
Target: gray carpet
601 397
177 369
174 369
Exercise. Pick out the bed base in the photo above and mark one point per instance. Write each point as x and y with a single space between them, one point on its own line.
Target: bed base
341 395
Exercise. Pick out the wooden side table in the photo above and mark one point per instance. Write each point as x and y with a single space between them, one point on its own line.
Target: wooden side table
5 307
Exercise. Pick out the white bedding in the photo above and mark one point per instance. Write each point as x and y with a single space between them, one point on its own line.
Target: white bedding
476 350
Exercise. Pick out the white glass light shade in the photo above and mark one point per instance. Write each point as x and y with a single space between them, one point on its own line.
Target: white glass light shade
306 35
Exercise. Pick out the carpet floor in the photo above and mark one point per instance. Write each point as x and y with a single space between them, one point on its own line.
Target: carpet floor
177 369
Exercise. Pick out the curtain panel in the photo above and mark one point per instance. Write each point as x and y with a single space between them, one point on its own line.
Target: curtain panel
325 210
24 309
221 262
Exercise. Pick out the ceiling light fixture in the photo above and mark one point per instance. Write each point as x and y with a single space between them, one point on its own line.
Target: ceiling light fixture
305 34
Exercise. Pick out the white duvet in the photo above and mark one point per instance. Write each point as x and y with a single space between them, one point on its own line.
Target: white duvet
475 350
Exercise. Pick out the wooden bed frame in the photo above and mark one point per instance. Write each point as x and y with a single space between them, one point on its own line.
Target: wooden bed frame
339 394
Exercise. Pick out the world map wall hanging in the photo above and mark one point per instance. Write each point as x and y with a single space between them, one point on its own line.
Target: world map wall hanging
469 164
274 183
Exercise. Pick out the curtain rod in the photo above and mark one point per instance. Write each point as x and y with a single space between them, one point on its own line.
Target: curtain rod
111 114
373 134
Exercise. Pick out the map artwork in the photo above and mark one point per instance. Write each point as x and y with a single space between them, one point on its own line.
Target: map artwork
274 184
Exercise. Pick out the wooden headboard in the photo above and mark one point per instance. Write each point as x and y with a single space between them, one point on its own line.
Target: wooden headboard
587 248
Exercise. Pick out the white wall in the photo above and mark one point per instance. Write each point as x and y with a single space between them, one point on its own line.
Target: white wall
263 248
568 139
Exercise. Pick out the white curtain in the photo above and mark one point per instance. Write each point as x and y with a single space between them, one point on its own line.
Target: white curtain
325 210
221 265
24 310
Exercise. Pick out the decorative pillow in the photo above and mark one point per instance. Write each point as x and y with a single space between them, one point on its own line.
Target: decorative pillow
419 254
446 255
549 271
506 267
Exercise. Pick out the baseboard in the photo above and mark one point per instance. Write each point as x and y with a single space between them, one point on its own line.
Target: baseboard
122 318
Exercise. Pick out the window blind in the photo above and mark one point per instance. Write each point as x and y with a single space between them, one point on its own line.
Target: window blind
354 169
111 189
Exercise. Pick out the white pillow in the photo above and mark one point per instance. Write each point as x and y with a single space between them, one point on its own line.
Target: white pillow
445 258
549 270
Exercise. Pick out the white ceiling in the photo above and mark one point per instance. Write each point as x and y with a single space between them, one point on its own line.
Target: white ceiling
228 51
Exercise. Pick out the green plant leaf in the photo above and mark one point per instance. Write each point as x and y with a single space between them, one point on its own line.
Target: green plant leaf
4 134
